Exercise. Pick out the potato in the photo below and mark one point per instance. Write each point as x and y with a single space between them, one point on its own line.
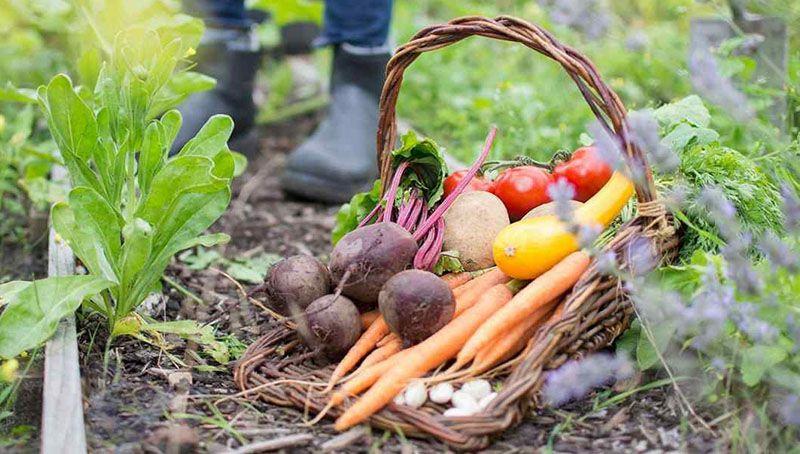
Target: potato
471 224
549 209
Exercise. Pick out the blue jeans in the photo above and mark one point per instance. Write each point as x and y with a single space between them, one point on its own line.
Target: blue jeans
363 23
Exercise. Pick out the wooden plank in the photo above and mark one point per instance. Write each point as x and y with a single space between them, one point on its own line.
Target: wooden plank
63 429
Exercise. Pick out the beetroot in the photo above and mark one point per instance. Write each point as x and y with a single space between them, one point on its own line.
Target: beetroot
332 324
416 304
364 259
293 283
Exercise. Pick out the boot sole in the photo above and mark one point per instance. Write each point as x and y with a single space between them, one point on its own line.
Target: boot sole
312 187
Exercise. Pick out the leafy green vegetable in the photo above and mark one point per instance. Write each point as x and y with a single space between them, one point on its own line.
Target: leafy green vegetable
427 163
132 206
706 163
350 214
758 359
33 309
449 262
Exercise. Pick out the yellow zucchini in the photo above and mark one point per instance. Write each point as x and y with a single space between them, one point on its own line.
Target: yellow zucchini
528 248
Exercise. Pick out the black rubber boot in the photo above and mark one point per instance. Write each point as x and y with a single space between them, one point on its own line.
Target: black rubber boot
231 56
338 160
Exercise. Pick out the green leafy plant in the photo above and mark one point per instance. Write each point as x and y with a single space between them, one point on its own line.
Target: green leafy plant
132 206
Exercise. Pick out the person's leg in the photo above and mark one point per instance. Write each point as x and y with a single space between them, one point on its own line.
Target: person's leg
229 53
219 13
362 23
338 160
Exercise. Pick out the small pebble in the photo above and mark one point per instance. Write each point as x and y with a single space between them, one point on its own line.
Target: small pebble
461 399
486 399
441 393
477 388
458 412
399 399
415 394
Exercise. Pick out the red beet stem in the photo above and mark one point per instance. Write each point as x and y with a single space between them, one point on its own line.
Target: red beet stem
405 210
391 193
416 211
371 215
433 218
419 258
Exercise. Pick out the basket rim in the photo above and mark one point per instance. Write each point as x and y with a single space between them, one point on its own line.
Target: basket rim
604 102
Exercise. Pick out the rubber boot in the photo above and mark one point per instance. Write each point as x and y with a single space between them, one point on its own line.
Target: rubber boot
232 57
338 160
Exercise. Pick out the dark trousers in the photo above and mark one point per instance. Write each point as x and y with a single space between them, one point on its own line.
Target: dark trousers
363 23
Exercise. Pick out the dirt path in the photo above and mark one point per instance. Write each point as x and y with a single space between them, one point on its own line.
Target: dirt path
147 400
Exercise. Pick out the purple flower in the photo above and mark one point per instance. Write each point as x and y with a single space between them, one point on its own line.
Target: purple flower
709 81
576 378
562 192
641 256
716 202
794 331
778 252
637 41
643 128
789 409
607 145
791 209
587 234
587 16
606 263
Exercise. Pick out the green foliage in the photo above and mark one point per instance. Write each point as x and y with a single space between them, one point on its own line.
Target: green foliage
706 163
288 11
426 161
246 269
350 214
33 309
132 206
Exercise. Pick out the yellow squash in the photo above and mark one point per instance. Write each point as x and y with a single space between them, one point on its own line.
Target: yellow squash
528 248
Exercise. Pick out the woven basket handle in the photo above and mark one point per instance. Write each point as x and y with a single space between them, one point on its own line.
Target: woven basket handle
605 104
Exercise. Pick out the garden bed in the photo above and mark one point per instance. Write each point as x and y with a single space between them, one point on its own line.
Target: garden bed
145 398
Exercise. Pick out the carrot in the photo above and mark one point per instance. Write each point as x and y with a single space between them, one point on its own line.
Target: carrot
386 339
376 331
364 379
485 281
537 294
368 317
511 342
388 349
474 289
456 279
430 353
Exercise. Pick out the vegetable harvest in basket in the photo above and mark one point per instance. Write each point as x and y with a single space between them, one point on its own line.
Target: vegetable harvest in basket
452 278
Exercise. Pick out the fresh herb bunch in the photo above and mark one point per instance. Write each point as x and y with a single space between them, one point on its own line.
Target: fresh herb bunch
704 163
132 207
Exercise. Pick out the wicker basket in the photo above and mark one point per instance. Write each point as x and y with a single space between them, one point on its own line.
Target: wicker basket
279 370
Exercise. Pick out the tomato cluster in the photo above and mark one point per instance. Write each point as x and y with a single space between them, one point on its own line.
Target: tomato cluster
524 188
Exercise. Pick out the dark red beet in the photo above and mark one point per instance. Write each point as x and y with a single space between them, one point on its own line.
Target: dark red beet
296 281
372 254
416 304
332 324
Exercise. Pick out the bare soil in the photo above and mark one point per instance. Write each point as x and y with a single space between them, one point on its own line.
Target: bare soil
173 398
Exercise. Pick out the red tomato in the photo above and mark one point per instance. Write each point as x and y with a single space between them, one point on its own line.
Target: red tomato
586 170
522 189
478 183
